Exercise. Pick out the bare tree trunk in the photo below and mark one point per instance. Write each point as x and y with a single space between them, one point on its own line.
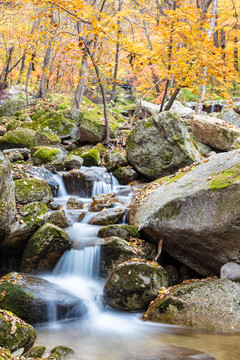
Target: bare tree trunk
235 53
171 100
203 87
42 91
21 70
6 68
81 84
27 80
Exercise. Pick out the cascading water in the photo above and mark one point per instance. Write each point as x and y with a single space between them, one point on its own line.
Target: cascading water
104 334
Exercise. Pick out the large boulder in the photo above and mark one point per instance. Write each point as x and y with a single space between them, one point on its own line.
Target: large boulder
44 249
15 333
114 159
123 231
73 162
210 304
107 217
32 216
160 145
31 298
214 132
30 190
196 213
18 138
7 199
145 109
230 116
47 138
134 284
125 175
46 155
9 108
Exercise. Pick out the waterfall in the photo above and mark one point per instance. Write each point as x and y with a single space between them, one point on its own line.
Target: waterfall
101 187
61 189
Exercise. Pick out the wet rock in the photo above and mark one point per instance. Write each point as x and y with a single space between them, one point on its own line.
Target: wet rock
114 159
115 251
46 155
18 138
214 132
160 145
74 204
125 175
54 206
47 138
196 212
36 352
6 354
30 190
33 172
73 162
104 201
44 249
210 304
7 199
30 298
32 217
134 284
14 332
230 271
61 352
59 218
107 217
120 230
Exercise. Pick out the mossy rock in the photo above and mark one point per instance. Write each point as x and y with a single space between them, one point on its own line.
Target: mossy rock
59 218
120 230
9 108
104 201
73 162
46 155
74 204
30 190
91 158
36 352
125 175
46 138
134 284
114 159
60 352
29 297
14 332
6 354
44 249
209 304
18 138
114 251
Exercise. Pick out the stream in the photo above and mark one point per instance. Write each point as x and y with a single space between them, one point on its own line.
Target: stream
104 333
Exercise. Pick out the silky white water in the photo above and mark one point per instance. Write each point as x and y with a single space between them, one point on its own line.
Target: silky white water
103 333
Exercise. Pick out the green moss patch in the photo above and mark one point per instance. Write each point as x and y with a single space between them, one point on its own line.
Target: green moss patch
225 178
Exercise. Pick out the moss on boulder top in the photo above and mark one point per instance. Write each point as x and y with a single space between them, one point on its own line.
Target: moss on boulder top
91 158
121 230
210 304
44 249
14 332
9 108
46 138
45 155
30 190
18 138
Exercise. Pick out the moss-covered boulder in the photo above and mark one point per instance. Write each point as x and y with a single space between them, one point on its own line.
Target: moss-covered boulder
30 298
61 352
74 204
134 284
18 138
46 138
73 162
44 249
35 352
160 145
91 126
125 175
60 123
115 251
196 212
91 158
9 108
6 354
59 218
30 190
123 231
31 218
46 155
14 332
114 159
107 217
210 304
7 199
104 201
